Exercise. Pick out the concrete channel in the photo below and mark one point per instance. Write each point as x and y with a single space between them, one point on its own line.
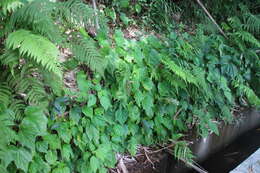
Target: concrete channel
203 148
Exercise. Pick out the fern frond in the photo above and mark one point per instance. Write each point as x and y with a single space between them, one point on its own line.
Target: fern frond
7 100
235 22
85 50
76 12
37 48
249 93
5 94
204 87
247 37
179 71
10 58
37 16
17 106
26 86
9 6
6 123
251 23
182 151
175 81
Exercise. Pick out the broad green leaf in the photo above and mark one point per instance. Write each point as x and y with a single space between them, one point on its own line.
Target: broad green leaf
132 146
213 126
124 18
163 88
139 97
91 100
94 163
6 156
36 117
119 130
138 8
66 152
102 170
34 124
102 151
121 115
119 38
22 158
105 102
39 165
134 113
99 121
99 111
88 111
51 157
124 3
42 146
75 114
148 105
82 82
64 132
62 168
147 84
27 135
53 140
92 133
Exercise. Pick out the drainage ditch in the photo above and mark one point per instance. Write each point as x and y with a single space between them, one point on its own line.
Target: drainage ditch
219 154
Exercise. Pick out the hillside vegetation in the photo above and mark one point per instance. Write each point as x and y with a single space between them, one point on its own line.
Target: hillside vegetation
75 90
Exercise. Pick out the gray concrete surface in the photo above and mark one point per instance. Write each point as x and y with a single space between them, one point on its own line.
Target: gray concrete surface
250 165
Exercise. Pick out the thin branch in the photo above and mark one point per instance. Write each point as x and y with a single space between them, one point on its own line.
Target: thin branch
122 166
164 148
96 14
211 18
148 158
177 113
197 168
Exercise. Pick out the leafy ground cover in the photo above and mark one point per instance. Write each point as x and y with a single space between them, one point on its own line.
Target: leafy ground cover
126 93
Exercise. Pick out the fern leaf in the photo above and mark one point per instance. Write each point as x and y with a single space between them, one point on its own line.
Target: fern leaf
76 12
182 151
17 107
252 97
247 37
37 16
5 94
10 5
85 50
174 80
10 58
25 85
251 23
6 123
181 72
37 48
250 94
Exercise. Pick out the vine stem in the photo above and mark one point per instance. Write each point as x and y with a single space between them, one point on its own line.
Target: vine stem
211 18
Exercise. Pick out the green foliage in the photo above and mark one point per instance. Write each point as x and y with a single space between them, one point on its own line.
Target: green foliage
31 34
33 124
129 92
85 51
8 6
36 47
